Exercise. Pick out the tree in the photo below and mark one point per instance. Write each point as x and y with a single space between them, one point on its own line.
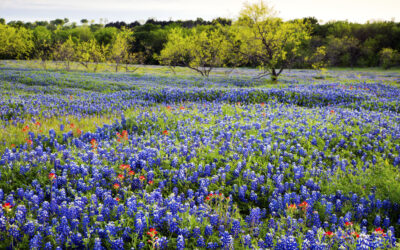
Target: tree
120 48
65 52
104 36
389 58
15 43
200 49
267 41
343 51
90 52
42 40
317 59
150 39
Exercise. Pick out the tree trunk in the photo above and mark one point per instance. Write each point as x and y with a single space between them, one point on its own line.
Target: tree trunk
274 76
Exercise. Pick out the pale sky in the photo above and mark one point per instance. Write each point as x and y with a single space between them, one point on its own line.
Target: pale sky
132 10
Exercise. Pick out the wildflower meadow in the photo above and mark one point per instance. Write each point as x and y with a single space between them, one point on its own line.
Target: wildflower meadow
152 160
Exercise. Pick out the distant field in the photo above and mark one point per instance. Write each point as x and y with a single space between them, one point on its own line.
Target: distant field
152 160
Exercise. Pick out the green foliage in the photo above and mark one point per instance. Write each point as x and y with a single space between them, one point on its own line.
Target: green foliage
15 42
42 39
343 51
105 36
389 58
383 179
318 58
150 41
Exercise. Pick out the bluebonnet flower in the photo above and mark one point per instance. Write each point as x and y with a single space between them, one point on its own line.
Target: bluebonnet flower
268 241
180 242
377 221
208 230
161 243
226 240
247 241
48 246
235 230
36 242
14 231
386 222
196 232
117 244
200 242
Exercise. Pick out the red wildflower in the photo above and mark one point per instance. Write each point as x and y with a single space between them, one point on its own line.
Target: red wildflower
142 178
131 173
94 144
37 123
123 135
152 232
165 132
329 234
262 104
26 128
182 108
125 167
117 199
116 186
304 205
52 176
292 207
348 224
169 107
355 234
332 111
380 231
151 182
121 177
30 142
7 207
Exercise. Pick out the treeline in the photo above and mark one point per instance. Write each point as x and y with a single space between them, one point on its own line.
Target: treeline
344 44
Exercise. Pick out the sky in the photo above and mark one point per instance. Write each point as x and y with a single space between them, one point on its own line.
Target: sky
131 10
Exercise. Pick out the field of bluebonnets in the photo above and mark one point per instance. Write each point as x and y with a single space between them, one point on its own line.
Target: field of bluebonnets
156 161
